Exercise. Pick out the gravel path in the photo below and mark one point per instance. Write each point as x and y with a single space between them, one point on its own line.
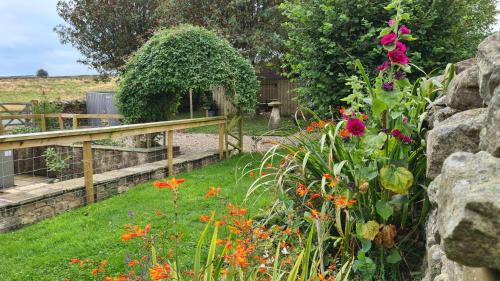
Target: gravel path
192 143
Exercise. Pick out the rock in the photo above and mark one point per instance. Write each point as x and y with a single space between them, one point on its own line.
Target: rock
468 208
490 134
434 256
463 65
439 114
460 132
463 91
488 60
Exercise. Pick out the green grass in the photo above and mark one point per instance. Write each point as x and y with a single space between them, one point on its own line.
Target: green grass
252 125
51 88
42 251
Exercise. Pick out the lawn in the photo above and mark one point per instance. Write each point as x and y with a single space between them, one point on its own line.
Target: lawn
252 125
42 251
64 88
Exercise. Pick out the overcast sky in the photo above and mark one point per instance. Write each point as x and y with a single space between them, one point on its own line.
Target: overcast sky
28 42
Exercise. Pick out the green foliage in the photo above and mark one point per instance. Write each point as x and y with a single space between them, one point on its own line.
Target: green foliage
325 36
42 73
54 162
177 60
22 129
46 107
107 32
362 173
253 27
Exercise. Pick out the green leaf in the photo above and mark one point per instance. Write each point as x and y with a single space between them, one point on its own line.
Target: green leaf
378 107
394 256
384 209
369 230
396 179
385 31
391 99
405 16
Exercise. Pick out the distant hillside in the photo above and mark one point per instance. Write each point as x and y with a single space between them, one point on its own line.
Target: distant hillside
22 89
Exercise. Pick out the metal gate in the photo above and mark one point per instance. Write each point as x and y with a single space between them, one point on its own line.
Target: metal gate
101 103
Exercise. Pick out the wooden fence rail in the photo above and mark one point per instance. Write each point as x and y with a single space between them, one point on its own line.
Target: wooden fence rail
59 116
8 142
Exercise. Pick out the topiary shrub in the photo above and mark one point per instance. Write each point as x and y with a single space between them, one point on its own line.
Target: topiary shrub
177 60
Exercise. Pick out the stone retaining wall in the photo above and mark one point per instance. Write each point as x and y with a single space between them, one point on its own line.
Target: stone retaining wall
106 158
29 204
463 159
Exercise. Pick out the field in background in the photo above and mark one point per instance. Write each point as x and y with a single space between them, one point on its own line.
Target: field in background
63 88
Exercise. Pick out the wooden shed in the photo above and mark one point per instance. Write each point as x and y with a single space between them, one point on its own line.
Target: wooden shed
273 87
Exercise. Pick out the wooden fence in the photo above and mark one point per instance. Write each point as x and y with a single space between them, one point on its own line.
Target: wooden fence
271 90
86 136
15 108
42 118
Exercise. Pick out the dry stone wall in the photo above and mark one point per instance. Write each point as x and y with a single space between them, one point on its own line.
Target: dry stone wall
463 159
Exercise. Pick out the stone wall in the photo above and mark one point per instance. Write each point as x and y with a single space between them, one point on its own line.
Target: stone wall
106 158
463 159
34 203
72 106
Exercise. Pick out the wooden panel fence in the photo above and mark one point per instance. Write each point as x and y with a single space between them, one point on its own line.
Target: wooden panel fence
271 90
42 118
86 136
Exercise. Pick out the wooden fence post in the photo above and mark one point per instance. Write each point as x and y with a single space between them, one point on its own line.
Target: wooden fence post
222 132
75 122
191 103
43 125
61 122
240 130
88 171
170 153
1 126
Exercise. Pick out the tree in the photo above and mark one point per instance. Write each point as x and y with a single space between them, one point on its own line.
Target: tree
325 36
177 60
107 32
253 27
42 73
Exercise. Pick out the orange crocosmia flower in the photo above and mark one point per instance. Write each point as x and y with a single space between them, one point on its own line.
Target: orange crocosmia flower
133 263
158 213
263 173
104 263
351 202
344 133
204 218
269 165
342 110
170 184
251 174
364 116
301 190
66 279
127 236
315 195
314 214
219 223
144 258
224 271
212 192
327 176
75 260
95 271
309 129
262 268
236 211
159 272
341 201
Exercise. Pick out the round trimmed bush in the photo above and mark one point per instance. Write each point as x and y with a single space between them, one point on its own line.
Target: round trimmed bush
177 60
